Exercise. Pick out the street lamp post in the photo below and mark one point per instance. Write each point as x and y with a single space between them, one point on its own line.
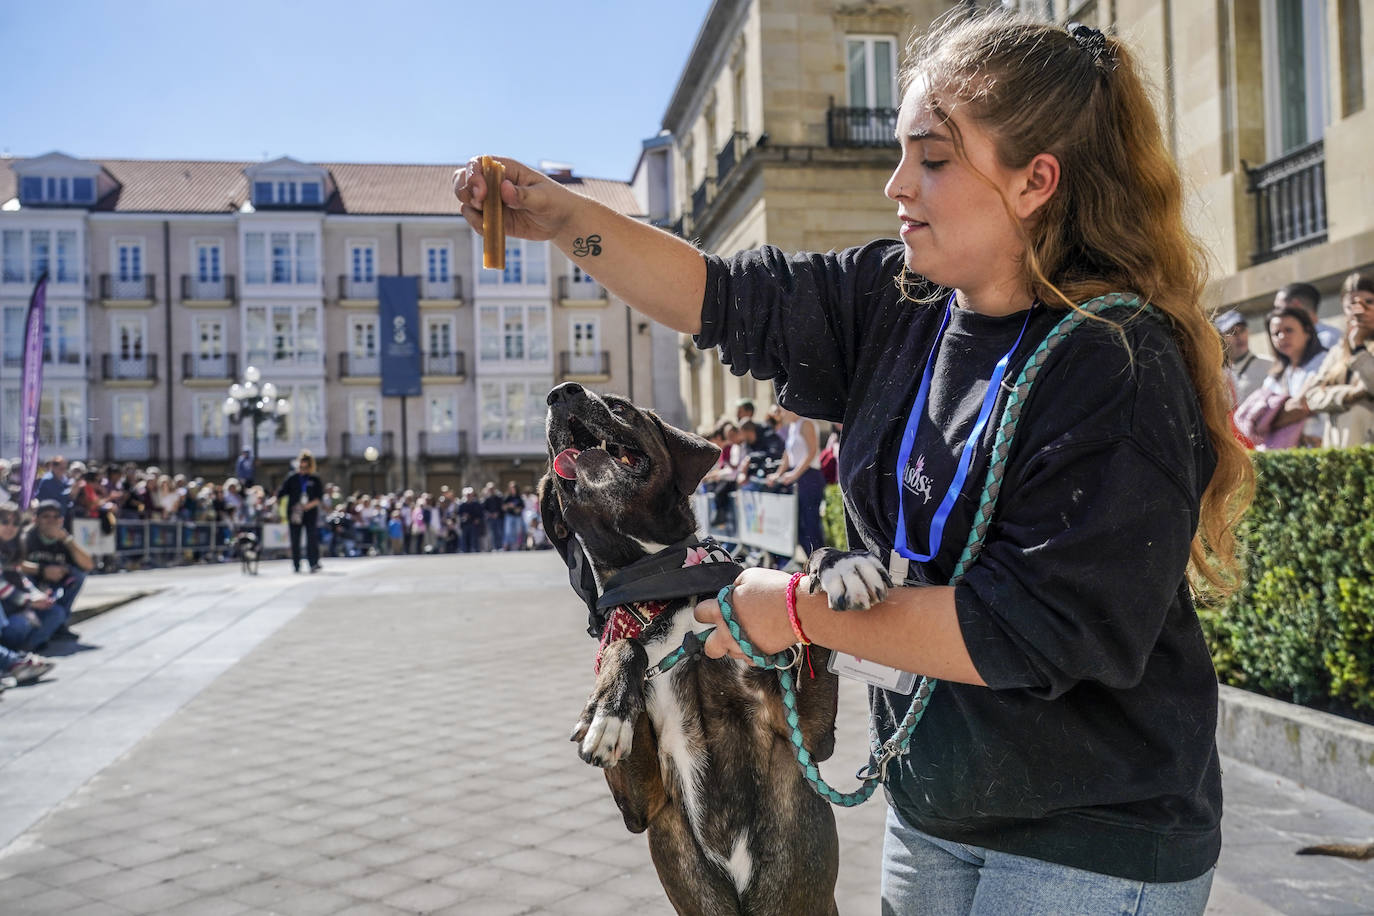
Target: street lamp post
371 454
249 400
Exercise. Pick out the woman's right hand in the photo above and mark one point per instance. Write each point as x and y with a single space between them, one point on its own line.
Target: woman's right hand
536 206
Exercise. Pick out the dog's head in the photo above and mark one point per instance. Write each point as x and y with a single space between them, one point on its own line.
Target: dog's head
619 478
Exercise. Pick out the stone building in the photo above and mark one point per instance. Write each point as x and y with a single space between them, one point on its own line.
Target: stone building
169 279
780 131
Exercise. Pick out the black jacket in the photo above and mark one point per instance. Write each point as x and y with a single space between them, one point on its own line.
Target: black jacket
1095 746
292 487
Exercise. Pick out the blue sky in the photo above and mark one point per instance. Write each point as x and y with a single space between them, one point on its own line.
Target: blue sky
581 83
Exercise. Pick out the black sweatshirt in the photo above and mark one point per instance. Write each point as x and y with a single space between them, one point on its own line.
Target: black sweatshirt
1095 746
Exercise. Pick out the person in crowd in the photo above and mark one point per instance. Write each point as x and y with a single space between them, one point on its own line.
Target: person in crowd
28 615
1343 388
491 511
470 521
245 468
396 533
1275 415
513 508
1306 297
419 526
801 470
303 492
744 410
9 480
1035 185
55 561
54 485
763 450
722 480
1245 367
539 538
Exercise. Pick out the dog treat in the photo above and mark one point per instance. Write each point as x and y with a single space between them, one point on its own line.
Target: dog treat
493 226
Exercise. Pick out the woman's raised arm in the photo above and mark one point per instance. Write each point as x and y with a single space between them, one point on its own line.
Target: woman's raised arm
655 272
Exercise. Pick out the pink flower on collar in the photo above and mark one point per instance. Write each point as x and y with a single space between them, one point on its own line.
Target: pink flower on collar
695 557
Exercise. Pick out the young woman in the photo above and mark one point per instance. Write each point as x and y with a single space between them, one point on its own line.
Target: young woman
1343 387
1067 761
1275 415
801 466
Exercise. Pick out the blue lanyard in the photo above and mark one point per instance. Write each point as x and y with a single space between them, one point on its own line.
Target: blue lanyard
956 486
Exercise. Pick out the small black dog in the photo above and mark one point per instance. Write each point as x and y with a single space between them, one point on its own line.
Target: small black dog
709 771
246 547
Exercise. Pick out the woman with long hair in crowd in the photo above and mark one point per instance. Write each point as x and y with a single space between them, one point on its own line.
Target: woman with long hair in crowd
1067 762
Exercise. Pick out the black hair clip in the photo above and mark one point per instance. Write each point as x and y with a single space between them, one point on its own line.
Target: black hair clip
1089 39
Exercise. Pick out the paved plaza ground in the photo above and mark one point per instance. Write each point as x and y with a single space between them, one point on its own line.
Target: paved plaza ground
390 736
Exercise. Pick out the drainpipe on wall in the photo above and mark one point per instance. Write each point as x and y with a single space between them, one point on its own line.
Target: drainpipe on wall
629 355
167 331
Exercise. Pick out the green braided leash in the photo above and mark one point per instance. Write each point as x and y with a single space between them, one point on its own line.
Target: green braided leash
875 771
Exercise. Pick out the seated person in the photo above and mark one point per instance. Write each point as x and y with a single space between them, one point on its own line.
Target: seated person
28 617
53 559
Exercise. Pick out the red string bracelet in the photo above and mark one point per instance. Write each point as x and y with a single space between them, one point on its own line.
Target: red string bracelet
796 621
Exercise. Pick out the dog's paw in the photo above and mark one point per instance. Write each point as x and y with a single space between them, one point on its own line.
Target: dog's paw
603 738
851 580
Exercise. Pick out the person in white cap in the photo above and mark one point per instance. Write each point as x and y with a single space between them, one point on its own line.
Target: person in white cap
1246 368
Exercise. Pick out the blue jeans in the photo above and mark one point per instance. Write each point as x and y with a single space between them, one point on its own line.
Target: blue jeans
471 538
494 528
934 877
810 492
515 532
22 634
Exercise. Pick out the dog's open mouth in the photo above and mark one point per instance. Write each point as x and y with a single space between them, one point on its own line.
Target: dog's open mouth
584 440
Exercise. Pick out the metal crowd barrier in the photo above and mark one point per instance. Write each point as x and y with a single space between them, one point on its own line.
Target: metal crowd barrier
170 543
762 519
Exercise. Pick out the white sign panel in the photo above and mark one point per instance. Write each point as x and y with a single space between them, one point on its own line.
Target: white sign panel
767 520
90 538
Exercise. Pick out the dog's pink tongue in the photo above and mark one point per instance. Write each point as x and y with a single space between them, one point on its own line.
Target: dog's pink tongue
565 464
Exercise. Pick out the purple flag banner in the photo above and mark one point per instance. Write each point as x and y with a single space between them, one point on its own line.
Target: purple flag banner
32 391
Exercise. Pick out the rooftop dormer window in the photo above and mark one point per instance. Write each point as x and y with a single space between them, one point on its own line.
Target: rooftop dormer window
56 189
287 193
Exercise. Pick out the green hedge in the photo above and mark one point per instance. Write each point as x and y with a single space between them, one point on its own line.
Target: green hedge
1301 625
832 518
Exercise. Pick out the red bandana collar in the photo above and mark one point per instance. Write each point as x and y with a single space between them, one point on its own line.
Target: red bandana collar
627 621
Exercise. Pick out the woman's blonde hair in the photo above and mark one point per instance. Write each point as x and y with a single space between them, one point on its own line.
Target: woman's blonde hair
1115 223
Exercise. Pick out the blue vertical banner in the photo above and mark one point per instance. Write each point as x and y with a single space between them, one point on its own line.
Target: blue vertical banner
31 391
399 303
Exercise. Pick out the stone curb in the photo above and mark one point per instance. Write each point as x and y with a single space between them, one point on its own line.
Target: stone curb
87 611
1332 755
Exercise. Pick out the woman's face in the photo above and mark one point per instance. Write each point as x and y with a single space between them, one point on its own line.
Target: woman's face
1359 309
955 224
1288 336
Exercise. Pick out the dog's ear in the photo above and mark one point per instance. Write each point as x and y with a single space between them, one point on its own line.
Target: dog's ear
551 514
692 455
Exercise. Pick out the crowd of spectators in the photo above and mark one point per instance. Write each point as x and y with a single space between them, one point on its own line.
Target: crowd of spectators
1317 389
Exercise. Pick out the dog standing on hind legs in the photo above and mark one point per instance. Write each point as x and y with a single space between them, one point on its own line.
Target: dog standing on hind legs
699 754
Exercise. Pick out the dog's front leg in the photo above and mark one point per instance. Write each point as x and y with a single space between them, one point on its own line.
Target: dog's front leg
605 732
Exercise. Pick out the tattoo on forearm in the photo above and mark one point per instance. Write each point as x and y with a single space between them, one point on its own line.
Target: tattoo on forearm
591 245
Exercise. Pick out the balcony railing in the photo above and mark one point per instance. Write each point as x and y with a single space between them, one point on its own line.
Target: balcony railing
211 448
350 288
286 359
448 444
113 289
451 288
730 154
1290 202
114 367
861 127
589 364
353 365
355 444
701 197
446 364
584 290
224 367
194 289
131 448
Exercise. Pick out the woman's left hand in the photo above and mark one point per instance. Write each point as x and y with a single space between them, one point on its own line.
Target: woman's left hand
759 601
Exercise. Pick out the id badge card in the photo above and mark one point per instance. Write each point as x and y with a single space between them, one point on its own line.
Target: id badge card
870 672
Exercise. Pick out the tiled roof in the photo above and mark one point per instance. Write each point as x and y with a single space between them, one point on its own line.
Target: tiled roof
172 186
